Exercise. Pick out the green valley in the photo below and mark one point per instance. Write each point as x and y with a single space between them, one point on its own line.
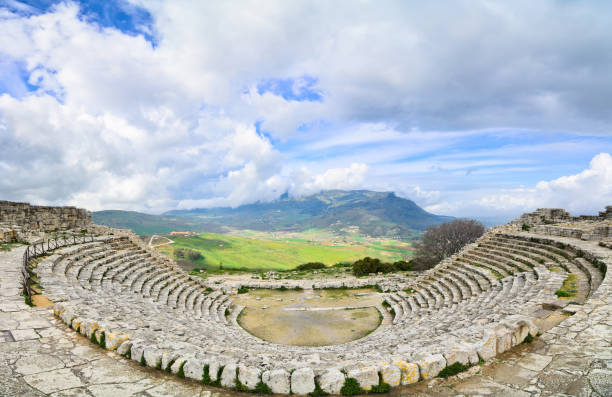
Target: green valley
266 252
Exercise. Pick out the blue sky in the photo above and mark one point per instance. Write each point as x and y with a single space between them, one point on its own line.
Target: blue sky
153 105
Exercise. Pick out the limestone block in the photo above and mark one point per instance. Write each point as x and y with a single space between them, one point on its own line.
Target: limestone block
167 358
410 371
90 327
114 340
504 338
124 348
302 381
332 381
137 351
176 366
194 369
152 357
248 376
365 375
277 380
228 376
213 369
431 365
462 353
76 323
58 309
391 374
67 317
487 346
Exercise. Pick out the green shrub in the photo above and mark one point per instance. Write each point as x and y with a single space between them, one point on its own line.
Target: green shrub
351 387
525 227
102 341
381 387
403 265
181 371
186 253
142 360
563 294
298 288
262 388
311 266
169 366
528 339
206 375
218 381
318 392
28 300
454 369
386 304
282 288
243 289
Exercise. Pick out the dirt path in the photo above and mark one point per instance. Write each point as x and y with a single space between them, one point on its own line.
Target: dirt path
159 245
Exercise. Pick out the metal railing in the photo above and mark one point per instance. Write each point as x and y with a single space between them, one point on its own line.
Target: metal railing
41 248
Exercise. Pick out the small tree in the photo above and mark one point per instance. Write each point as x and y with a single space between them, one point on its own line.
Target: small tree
441 241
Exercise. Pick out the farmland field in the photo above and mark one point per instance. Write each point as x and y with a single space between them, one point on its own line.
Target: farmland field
264 252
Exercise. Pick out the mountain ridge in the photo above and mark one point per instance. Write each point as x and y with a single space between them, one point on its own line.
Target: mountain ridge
374 213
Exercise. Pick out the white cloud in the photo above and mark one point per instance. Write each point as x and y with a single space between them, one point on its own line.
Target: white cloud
119 123
583 193
305 183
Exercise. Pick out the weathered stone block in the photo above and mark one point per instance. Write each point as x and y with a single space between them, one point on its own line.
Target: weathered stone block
124 348
137 351
366 376
277 380
504 338
213 369
331 381
152 357
167 358
410 371
114 340
431 365
302 381
176 366
228 376
462 353
391 374
193 369
248 376
487 346
76 323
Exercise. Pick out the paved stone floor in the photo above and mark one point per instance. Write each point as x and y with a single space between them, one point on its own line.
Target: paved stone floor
39 356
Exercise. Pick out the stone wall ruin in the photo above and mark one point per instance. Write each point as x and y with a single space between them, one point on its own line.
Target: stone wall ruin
43 218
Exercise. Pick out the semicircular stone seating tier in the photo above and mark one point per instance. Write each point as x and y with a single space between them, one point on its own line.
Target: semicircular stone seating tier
470 307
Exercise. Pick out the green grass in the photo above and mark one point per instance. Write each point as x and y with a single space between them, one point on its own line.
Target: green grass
453 370
351 387
495 272
236 252
569 287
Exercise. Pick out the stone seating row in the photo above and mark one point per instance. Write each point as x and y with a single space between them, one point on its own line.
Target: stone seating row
158 325
120 266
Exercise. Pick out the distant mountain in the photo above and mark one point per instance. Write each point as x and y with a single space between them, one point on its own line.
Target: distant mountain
374 213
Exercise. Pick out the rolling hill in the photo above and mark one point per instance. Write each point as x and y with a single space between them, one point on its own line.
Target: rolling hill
373 213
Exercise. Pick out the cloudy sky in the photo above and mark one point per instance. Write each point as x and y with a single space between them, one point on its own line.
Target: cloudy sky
470 108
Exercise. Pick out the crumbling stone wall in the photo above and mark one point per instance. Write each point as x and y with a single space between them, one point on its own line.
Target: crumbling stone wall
43 218
548 216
